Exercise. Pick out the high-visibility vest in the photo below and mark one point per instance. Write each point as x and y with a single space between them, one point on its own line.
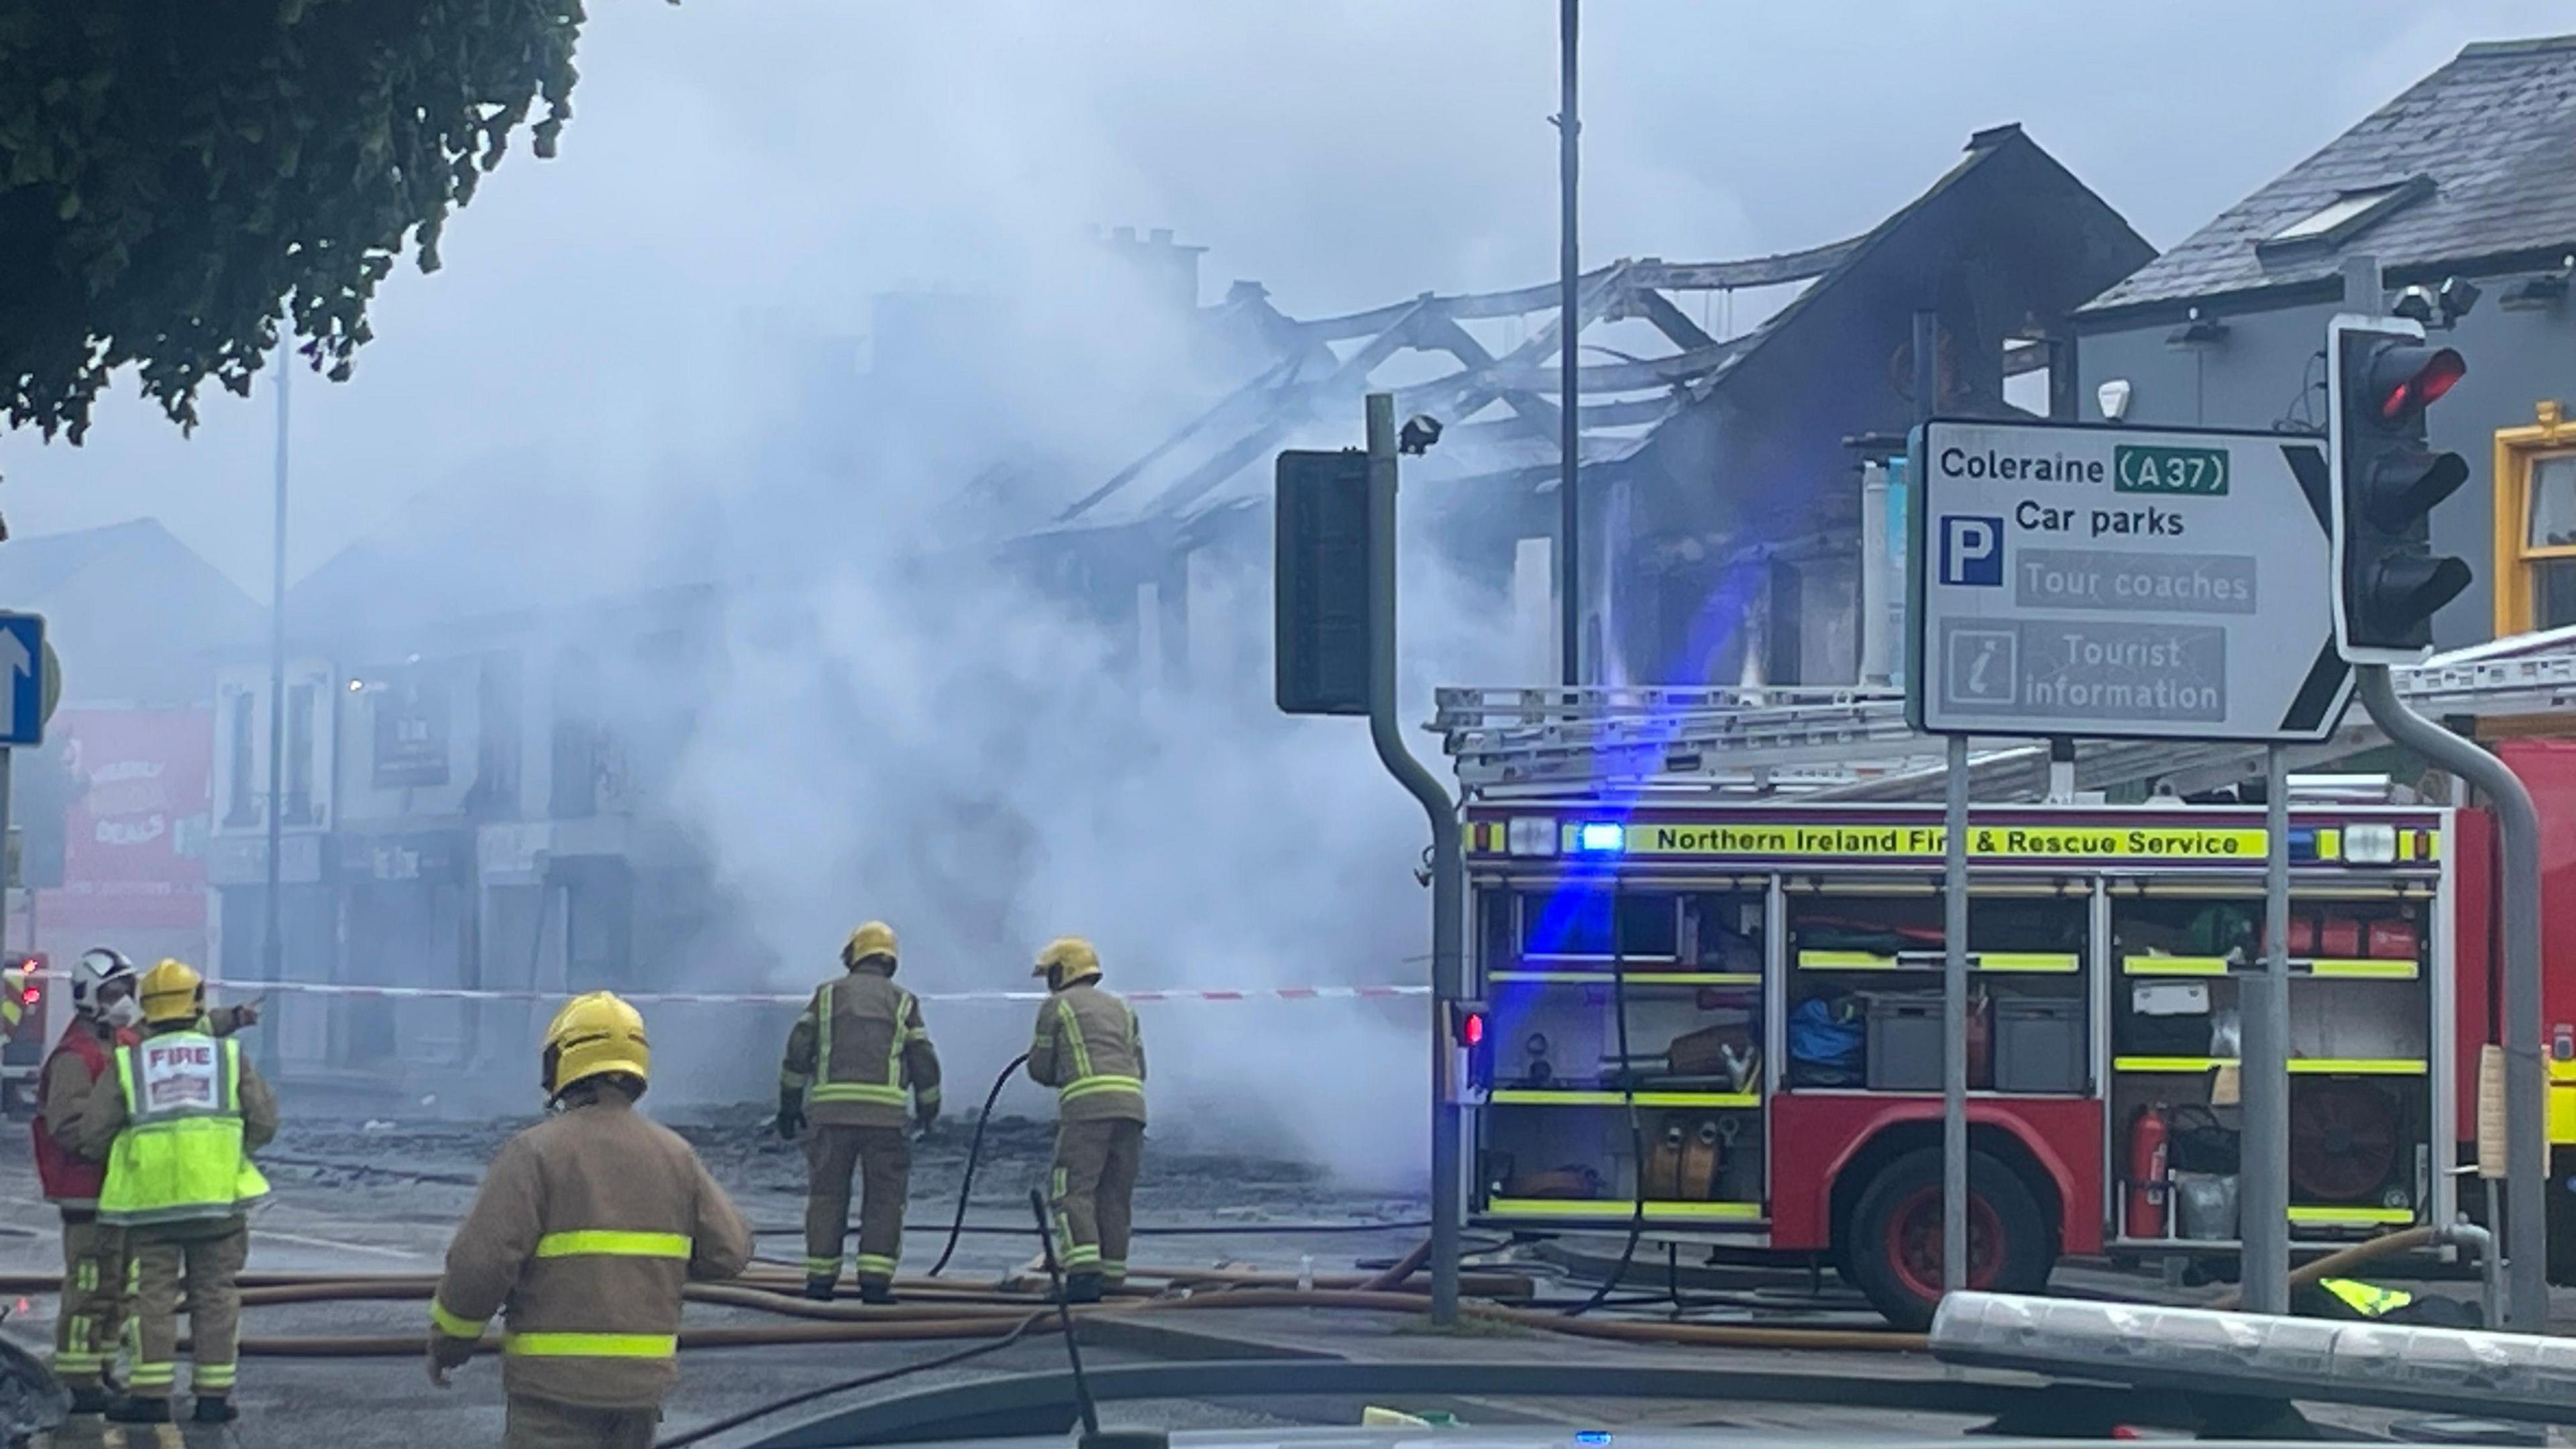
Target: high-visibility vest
179 1157
2364 1299
887 1090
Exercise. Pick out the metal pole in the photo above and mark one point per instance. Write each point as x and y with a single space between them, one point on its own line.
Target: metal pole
1569 438
2526 1085
1954 1022
1954 901
2264 1079
1448 860
271 947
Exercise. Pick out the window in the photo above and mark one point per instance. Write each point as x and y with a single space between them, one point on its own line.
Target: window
241 791
2346 214
299 756
410 731
2535 527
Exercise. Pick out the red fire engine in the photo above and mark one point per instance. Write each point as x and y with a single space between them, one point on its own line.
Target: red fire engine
1721 1018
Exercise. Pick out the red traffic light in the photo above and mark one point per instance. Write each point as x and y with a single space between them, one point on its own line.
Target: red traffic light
1471 1031
2411 379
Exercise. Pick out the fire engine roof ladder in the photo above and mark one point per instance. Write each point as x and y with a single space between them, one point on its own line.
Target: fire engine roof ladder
1852 743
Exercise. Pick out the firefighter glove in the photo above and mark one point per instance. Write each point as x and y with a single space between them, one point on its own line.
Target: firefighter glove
923 1119
447 1352
791 1113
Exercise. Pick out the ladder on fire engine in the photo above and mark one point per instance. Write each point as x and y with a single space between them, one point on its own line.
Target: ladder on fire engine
1852 743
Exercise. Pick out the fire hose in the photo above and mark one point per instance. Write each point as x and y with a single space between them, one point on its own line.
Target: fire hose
975 1153
829 1324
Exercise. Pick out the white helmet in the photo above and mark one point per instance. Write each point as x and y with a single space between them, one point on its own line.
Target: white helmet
96 967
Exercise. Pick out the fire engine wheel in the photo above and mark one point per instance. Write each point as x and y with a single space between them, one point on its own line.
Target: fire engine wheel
1895 1240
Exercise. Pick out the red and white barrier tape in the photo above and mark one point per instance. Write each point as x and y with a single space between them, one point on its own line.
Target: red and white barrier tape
763 998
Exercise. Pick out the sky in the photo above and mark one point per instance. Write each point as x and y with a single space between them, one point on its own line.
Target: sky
741 176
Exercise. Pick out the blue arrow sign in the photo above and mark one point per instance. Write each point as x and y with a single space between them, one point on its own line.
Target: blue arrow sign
22 671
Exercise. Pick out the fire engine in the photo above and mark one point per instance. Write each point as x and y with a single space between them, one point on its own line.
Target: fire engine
1705 943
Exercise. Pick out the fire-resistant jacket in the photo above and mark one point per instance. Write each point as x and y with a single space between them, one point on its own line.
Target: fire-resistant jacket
79 1061
856 1049
1088 1048
177 1131
586 1227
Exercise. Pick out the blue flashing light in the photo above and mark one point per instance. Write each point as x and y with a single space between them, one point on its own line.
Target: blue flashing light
2303 842
1601 836
1593 1436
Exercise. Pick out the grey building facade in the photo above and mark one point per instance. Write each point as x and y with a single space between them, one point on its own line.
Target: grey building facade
2470 174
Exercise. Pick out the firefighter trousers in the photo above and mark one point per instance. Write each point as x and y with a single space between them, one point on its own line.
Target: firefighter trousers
1093 1190
882 1156
544 1424
94 1297
209 1269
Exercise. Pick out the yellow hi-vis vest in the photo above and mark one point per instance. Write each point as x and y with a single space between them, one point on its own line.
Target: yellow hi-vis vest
180 1156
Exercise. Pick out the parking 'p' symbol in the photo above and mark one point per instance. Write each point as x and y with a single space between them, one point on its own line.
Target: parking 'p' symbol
1972 552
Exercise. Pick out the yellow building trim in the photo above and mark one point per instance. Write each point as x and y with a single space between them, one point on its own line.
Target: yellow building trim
2516 450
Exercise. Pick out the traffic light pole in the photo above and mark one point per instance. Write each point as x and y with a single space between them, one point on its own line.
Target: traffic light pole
2526 1240
2264 1079
1448 858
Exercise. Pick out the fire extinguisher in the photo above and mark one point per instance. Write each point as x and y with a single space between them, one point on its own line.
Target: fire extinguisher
2145 1214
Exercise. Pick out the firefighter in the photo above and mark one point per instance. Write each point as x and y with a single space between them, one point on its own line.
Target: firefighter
176 1131
585 1230
1088 1048
96 1291
849 1059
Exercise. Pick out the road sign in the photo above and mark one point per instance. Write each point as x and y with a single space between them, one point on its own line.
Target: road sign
23 702
2109 582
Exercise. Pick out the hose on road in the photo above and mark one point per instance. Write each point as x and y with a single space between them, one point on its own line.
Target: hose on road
834 1323
2371 1250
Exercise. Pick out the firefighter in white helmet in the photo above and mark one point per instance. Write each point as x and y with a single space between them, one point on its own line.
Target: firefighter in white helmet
1087 1047
585 1231
177 1128
856 1058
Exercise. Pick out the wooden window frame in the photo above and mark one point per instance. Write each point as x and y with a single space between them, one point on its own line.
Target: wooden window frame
2517 452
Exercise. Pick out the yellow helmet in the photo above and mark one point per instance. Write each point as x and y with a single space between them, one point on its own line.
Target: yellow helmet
1066 960
875 938
592 1036
171 991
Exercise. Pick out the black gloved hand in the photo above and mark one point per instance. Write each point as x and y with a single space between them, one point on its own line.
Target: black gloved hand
923 1119
791 1114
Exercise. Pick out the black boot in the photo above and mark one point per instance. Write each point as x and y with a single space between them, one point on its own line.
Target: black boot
216 1409
90 1401
139 1409
1082 1288
818 1289
875 1290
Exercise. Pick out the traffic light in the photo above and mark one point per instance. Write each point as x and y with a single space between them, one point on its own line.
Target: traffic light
2387 481
1325 650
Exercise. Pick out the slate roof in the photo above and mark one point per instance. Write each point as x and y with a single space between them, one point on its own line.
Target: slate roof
2494 131
33 566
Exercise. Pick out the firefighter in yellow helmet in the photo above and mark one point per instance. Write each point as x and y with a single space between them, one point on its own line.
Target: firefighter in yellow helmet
851 1057
176 1130
585 1229
1088 1049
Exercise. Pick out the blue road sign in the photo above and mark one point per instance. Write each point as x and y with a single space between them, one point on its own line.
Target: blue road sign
22 670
